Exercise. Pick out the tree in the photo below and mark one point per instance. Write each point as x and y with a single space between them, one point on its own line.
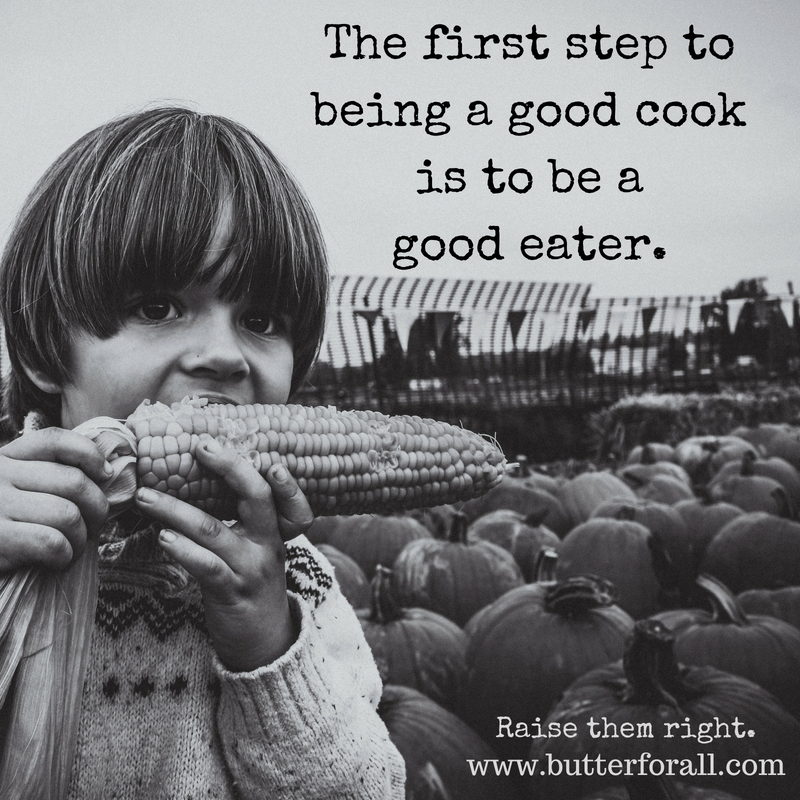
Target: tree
745 288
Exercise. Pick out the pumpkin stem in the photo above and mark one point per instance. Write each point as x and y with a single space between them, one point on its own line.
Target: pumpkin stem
648 455
633 480
651 669
727 610
545 568
536 518
524 467
458 529
384 607
579 594
626 512
748 462
704 493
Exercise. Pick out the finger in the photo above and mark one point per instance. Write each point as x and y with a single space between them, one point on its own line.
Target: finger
26 544
294 512
193 523
51 512
240 475
70 483
256 506
65 447
208 568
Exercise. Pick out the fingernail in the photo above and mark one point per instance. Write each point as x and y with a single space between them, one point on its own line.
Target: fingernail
145 495
167 536
279 473
212 446
108 469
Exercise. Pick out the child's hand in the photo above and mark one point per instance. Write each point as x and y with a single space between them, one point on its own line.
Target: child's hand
50 498
240 569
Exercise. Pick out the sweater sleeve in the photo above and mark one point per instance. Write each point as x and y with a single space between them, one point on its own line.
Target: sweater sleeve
306 726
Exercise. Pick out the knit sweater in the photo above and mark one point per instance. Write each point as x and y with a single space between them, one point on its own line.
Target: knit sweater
162 718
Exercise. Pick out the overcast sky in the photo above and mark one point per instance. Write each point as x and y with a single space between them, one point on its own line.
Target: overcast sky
722 201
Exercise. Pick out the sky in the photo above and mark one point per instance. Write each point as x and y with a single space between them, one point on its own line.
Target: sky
721 201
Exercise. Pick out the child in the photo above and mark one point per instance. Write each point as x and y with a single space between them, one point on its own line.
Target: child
167 254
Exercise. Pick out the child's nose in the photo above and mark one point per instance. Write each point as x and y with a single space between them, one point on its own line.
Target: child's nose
216 352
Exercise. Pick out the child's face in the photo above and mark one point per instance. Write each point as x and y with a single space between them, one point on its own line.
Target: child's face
178 344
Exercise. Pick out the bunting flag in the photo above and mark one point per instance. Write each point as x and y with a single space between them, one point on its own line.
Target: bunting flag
706 311
441 322
479 323
404 319
735 311
617 317
515 320
647 317
586 317
369 314
787 307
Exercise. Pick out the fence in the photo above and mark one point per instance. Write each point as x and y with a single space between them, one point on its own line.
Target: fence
458 346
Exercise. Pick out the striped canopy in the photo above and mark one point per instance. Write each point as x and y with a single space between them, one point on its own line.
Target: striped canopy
495 315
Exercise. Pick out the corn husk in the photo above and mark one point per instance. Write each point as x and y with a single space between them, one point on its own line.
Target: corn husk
46 622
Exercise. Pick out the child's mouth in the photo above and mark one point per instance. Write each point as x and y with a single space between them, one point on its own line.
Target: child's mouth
216 398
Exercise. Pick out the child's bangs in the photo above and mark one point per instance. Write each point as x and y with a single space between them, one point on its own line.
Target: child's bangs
199 201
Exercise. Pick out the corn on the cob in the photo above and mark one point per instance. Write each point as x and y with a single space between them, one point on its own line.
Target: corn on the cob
344 461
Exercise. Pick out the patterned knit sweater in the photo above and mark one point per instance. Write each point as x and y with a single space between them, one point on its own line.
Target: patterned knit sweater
162 718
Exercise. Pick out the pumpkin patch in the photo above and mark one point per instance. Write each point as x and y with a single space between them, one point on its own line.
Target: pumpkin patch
665 591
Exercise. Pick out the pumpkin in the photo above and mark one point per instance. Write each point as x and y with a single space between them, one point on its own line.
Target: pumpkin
776 468
702 456
586 491
428 735
427 785
650 453
762 434
437 519
638 473
529 477
650 787
350 577
676 571
665 489
781 603
372 539
530 644
523 537
762 648
704 518
649 689
621 551
544 573
321 527
750 491
785 445
414 646
731 448
456 577
525 500
755 551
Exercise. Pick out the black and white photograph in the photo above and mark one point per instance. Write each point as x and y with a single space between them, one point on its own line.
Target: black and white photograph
400 401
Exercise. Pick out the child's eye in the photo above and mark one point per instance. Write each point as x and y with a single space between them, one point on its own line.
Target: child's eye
156 309
262 322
